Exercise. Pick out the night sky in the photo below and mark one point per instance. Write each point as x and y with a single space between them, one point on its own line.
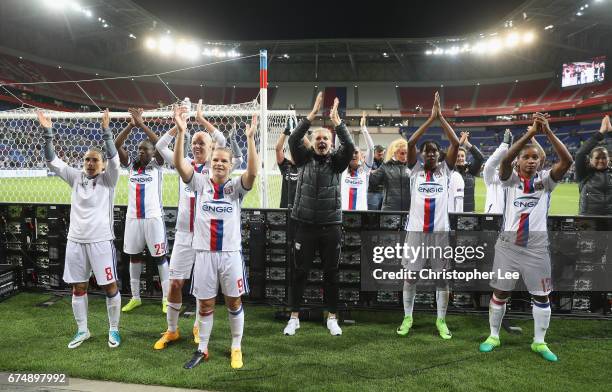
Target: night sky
273 20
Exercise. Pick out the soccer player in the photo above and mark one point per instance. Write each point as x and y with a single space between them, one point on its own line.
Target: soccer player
455 192
90 236
217 237
354 180
183 255
523 244
494 202
428 223
144 223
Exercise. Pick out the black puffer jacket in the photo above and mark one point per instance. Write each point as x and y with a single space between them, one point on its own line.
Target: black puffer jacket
317 196
395 178
595 186
469 172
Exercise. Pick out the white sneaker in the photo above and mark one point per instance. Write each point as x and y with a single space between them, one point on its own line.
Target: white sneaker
79 338
334 328
292 325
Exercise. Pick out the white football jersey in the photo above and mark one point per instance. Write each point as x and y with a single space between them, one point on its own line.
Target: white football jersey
429 199
217 218
91 202
494 202
185 219
456 192
354 188
526 202
145 191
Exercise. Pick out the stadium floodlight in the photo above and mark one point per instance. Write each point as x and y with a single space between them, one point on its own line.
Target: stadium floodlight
132 36
480 47
512 39
187 49
55 5
494 45
166 46
549 27
453 50
578 13
88 13
438 51
150 43
75 6
428 52
528 37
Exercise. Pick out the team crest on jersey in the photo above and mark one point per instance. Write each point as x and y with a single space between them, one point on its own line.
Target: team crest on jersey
538 186
228 190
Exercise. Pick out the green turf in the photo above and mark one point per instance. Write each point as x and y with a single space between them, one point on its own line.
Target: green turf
368 356
54 190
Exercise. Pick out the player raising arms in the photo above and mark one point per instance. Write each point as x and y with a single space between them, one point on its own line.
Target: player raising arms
183 255
355 178
428 223
494 202
523 244
90 235
217 237
144 222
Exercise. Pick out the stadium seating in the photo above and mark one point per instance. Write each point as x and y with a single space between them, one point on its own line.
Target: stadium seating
527 91
458 95
410 97
493 95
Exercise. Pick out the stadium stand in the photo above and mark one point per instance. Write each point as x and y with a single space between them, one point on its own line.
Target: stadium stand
410 97
462 96
370 96
527 92
493 95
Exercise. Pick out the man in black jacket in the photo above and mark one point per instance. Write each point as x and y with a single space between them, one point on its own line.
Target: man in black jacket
317 209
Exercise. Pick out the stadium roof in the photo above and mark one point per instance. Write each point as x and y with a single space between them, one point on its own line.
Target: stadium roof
113 37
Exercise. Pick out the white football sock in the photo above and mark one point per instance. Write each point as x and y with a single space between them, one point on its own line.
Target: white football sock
135 271
408 294
541 320
441 302
172 315
206 325
113 308
497 310
79 309
236 321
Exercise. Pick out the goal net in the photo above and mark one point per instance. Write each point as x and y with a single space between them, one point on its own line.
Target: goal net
24 176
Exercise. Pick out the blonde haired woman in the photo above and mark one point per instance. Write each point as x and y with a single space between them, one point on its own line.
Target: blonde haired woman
395 177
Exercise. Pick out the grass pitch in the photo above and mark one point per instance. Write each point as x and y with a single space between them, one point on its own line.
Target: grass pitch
54 190
369 356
